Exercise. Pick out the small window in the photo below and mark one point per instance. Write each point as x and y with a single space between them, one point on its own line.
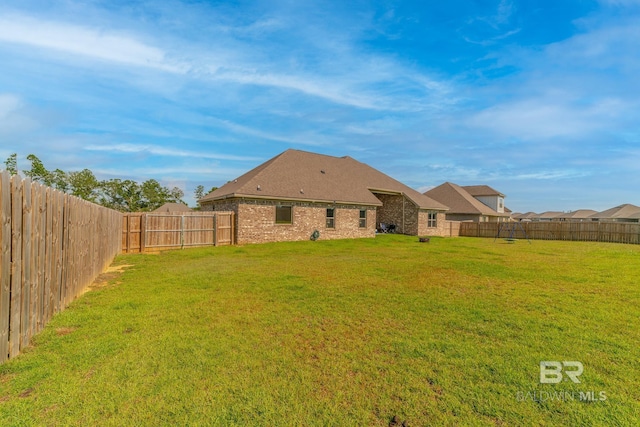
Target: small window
363 218
331 218
432 220
283 215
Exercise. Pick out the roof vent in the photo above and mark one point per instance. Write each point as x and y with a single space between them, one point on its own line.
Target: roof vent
322 171
259 188
301 191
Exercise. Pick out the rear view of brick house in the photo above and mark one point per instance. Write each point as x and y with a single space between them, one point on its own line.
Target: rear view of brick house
296 193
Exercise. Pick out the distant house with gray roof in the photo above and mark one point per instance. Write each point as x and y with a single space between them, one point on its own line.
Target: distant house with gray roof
547 216
297 193
477 203
579 215
525 217
173 207
622 213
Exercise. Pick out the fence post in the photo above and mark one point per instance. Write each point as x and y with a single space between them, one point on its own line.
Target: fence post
181 231
5 266
126 225
215 229
143 233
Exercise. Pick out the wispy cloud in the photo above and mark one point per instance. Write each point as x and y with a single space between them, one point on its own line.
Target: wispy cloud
552 175
85 41
344 76
292 137
537 119
309 85
165 151
14 119
489 29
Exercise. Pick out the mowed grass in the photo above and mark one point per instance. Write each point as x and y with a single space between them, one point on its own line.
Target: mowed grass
350 332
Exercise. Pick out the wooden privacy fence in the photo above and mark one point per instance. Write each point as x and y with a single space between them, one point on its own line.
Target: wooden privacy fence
151 232
53 247
613 232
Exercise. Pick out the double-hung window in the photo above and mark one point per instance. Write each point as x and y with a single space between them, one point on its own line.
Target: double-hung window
432 220
363 218
331 218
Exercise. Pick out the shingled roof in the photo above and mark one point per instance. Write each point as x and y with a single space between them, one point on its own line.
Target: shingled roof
619 212
579 214
460 201
481 190
304 176
173 207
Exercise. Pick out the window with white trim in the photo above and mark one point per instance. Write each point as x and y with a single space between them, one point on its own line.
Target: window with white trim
432 219
331 219
363 218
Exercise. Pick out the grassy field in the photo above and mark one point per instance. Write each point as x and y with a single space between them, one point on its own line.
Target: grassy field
351 332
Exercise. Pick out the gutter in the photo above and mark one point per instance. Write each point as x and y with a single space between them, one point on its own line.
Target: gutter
292 199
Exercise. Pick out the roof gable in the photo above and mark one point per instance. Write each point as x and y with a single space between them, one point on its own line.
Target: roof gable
173 207
481 190
578 214
619 212
300 175
460 201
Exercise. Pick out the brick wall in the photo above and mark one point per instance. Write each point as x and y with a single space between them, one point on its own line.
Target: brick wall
415 220
391 210
255 221
442 227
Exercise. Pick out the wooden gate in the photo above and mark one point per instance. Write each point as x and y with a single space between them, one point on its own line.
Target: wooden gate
151 232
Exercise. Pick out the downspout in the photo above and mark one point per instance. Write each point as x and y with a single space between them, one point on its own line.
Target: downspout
403 200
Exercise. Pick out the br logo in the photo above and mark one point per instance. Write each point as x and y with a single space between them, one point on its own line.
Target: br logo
551 371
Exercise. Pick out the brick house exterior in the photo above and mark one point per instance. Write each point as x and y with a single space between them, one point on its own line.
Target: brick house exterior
477 203
337 197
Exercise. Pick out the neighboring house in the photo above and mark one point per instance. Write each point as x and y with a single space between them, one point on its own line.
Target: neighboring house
477 203
296 193
547 216
524 217
173 207
576 216
622 213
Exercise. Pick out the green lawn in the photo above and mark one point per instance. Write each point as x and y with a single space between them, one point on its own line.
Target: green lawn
350 332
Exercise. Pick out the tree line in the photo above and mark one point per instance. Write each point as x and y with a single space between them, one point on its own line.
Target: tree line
122 195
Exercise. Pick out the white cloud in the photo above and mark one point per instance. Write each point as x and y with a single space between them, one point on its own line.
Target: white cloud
539 119
14 119
8 104
84 41
341 73
311 85
308 138
552 175
164 151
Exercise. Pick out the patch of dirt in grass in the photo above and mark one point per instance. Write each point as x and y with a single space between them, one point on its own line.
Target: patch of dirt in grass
89 374
109 276
26 393
64 331
4 378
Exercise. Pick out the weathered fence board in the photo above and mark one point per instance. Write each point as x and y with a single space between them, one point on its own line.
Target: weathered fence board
16 266
52 246
592 231
149 232
5 266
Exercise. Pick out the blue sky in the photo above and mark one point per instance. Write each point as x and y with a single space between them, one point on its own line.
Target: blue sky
540 100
